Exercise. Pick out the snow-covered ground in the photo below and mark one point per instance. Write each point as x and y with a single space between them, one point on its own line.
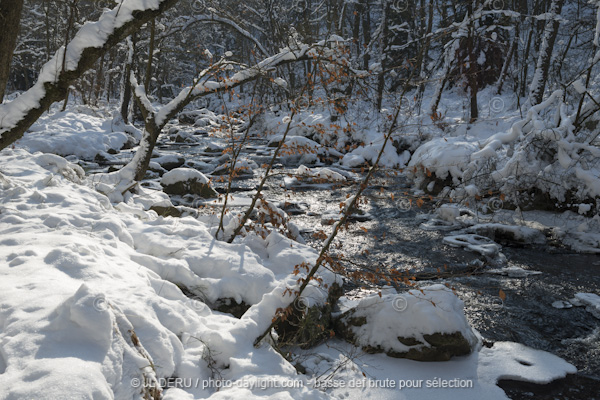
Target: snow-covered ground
91 306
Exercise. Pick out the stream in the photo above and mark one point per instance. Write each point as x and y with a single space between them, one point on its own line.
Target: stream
390 237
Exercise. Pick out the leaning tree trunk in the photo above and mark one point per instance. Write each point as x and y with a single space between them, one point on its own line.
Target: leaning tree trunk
10 18
540 77
18 115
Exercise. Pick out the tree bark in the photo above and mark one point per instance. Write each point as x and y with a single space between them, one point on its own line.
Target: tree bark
473 68
538 85
10 18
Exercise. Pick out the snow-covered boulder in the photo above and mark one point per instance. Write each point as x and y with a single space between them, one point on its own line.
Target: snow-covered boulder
298 149
243 167
423 324
441 162
319 175
182 181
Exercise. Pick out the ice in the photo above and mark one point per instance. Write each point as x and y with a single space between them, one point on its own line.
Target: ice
591 302
477 243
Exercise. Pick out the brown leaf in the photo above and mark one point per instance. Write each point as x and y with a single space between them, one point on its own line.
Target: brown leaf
502 295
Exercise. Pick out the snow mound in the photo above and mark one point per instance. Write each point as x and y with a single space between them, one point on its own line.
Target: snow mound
74 133
324 174
477 243
390 158
444 157
182 175
506 360
432 309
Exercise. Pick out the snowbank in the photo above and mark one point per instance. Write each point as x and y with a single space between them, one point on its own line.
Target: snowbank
394 318
91 301
74 133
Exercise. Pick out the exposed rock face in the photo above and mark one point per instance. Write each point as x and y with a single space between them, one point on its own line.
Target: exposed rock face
167 211
191 186
426 325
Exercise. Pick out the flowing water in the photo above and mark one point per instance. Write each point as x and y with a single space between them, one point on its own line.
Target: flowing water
392 239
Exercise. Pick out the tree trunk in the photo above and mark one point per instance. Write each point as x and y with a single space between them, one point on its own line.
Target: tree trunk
10 18
538 85
148 77
384 50
366 26
473 68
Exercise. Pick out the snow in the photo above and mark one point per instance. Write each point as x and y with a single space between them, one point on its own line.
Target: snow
591 301
321 174
182 175
91 306
74 133
473 242
389 158
444 157
375 376
429 310
579 86
90 35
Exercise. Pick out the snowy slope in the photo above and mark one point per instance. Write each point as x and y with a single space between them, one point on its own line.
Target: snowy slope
90 305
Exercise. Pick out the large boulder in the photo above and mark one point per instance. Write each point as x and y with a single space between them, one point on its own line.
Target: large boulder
182 181
423 324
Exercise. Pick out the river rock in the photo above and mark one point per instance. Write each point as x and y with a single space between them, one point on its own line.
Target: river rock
169 161
182 181
423 325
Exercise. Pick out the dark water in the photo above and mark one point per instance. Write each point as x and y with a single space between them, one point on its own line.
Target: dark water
394 240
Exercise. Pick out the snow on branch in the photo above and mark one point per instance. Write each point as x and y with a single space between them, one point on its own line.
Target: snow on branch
190 93
90 43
